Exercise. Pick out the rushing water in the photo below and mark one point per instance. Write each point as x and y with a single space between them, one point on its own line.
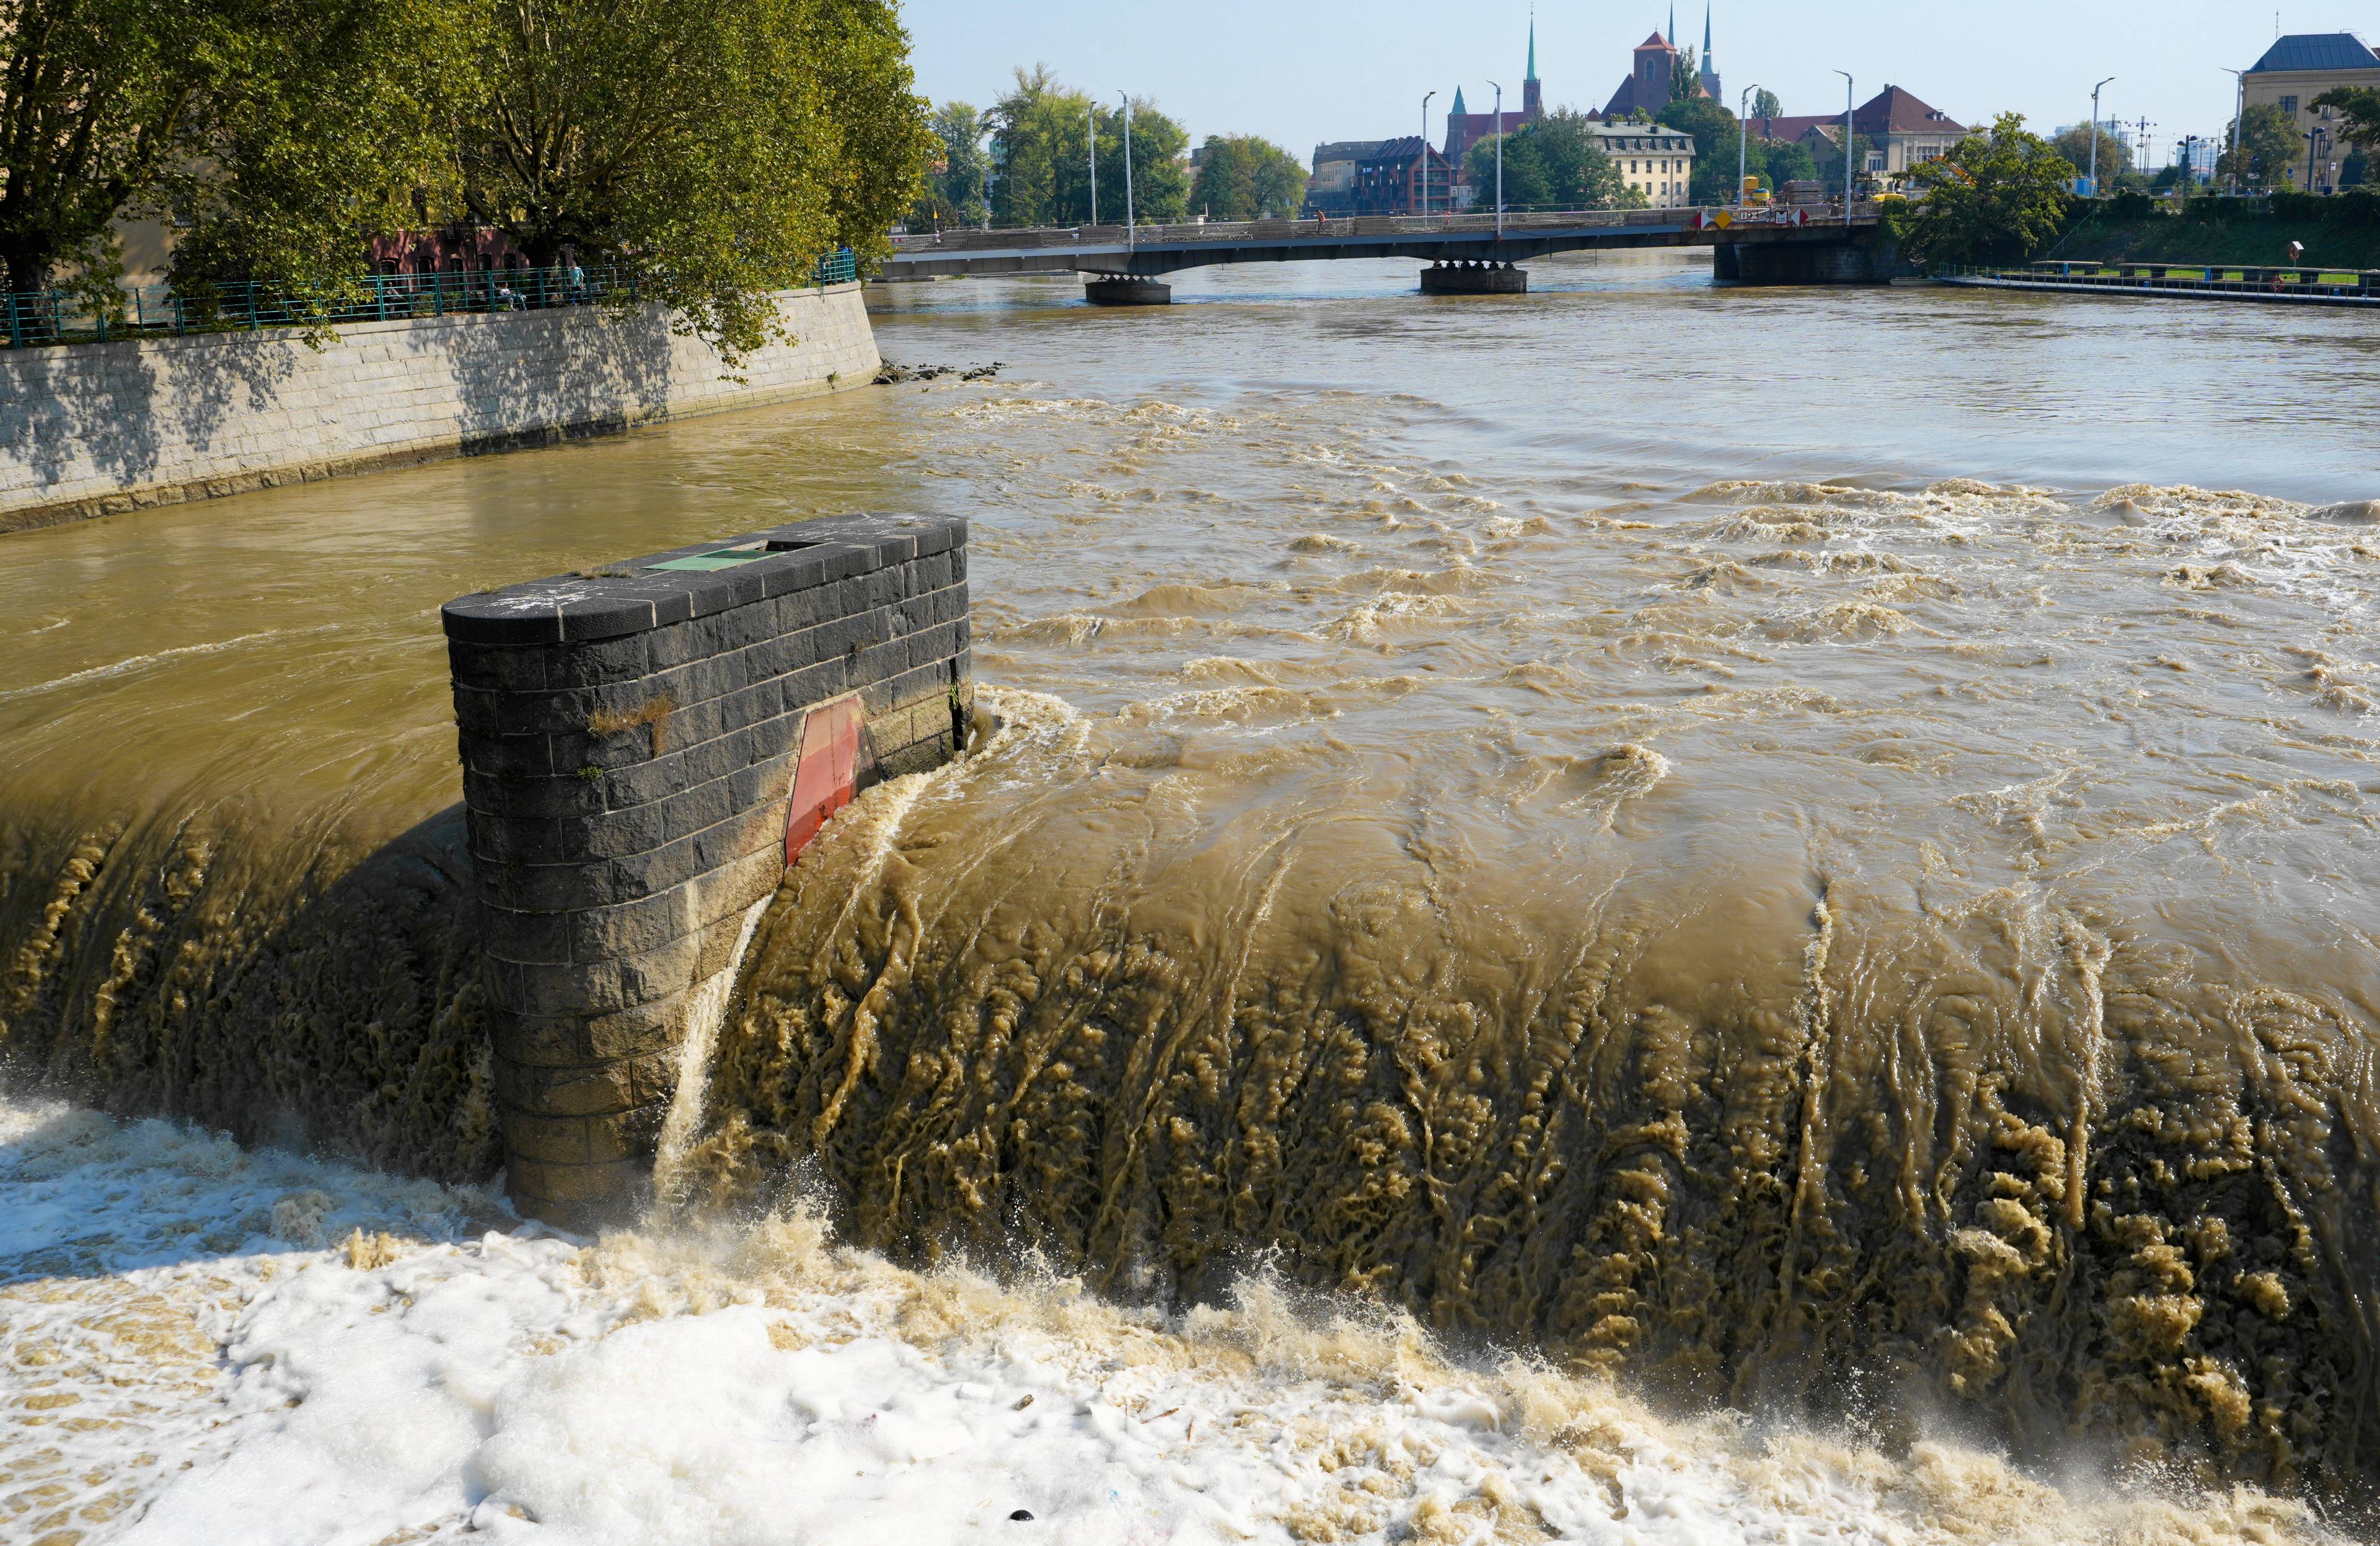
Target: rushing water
1782 846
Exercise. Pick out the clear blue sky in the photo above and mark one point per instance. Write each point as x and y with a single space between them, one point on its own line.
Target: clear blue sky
1299 71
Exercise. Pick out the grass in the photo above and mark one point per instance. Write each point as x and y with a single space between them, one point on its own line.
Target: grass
653 713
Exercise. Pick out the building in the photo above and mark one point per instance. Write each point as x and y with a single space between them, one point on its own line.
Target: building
1902 132
1404 177
1331 191
2297 69
1465 128
1646 89
1656 161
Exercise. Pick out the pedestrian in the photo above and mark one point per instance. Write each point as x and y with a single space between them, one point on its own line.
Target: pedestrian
578 283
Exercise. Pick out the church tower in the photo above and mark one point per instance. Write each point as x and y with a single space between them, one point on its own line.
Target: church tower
1533 100
1711 87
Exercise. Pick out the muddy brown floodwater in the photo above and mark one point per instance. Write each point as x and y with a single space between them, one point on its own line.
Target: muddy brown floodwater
1813 850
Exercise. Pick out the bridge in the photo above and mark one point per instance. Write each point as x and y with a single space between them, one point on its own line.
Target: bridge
1473 253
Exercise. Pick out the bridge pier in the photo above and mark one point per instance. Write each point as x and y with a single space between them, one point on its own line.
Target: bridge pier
1473 279
1125 289
1856 262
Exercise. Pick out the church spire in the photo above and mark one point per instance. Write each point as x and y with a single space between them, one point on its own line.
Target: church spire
1533 46
1458 109
1706 39
1673 25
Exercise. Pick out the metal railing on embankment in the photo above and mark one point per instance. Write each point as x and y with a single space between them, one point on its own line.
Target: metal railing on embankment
2224 280
47 317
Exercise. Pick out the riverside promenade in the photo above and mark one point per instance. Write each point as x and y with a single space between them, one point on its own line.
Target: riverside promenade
2287 287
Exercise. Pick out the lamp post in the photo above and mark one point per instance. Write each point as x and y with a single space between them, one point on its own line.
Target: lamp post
1851 93
1500 163
1094 111
1421 160
2238 127
1131 221
1743 139
2094 174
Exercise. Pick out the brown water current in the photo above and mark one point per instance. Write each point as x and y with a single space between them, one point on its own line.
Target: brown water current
1799 848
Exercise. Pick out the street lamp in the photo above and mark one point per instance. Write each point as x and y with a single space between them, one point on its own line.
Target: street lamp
1094 113
1421 161
2238 127
2095 136
1743 139
1131 221
1500 163
1850 93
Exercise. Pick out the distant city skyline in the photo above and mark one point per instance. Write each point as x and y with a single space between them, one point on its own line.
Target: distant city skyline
1316 70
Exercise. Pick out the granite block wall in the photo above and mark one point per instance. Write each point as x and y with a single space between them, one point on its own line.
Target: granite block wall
97 428
631 739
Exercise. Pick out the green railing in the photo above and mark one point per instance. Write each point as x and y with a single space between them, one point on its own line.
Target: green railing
49 317
2082 273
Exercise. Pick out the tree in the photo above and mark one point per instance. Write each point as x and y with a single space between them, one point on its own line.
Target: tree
1765 106
1553 164
716 150
1995 196
1779 162
1042 149
954 180
2262 150
1718 136
2114 156
2359 107
282 132
1685 77
1243 177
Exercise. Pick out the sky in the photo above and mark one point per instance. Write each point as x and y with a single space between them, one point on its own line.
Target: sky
1301 71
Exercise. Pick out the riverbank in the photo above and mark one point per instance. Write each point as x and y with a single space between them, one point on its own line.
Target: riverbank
99 430
2339 237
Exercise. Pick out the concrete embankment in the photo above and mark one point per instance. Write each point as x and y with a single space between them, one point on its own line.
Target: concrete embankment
96 430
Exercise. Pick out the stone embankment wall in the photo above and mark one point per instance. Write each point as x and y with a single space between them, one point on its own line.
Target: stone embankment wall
96 429
644 749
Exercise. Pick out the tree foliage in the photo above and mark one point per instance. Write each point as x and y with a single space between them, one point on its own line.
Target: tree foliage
1553 164
1042 135
1995 196
1244 178
1765 105
1685 77
717 148
2262 150
281 132
954 180
2114 156
2359 109
1717 138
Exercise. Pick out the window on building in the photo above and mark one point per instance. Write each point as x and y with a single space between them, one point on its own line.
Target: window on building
2290 104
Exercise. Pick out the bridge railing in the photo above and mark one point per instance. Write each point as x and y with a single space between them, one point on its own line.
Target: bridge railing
1470 222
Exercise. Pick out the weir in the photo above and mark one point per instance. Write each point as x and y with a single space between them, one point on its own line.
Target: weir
646 747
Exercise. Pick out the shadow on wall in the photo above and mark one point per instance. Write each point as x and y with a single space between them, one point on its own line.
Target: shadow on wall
95 409
282 982
563 374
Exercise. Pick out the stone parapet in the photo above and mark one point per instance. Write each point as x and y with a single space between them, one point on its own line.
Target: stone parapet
634 741
100 428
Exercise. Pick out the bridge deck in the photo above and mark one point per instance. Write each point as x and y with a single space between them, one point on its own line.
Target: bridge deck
1154 249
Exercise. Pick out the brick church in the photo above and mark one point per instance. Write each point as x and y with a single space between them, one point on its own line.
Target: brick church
1647 87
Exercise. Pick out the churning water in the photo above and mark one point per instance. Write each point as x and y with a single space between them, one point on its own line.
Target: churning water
1645 913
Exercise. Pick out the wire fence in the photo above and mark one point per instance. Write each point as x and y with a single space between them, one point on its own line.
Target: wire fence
49 317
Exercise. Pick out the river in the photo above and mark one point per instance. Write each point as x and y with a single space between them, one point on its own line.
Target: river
1800 854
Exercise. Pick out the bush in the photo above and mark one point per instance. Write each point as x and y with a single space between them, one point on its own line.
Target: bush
2288 205
2127 206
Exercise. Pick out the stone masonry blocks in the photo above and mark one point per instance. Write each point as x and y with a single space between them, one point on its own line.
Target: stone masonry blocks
629 737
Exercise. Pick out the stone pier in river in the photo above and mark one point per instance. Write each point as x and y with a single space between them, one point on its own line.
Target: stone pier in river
646 747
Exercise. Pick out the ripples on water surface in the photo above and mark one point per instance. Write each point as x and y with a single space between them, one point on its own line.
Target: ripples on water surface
1779 845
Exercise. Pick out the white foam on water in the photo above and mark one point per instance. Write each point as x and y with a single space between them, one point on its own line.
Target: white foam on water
206 1344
